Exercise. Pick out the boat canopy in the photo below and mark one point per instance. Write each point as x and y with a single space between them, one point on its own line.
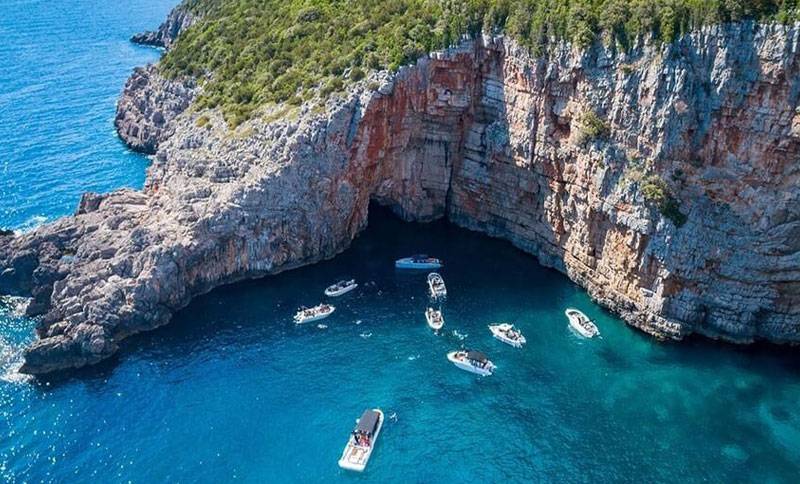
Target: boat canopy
368 422
477 356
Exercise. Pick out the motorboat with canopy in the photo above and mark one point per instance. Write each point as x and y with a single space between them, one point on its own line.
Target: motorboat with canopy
508 334
581 323
362 441
419 261
472 361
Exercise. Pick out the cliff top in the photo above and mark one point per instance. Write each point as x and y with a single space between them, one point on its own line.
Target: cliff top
257 52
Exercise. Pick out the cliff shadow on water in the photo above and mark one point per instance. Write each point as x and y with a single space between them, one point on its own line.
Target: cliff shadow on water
240 325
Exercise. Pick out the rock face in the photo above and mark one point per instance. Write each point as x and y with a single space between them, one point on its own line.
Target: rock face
148 105
179 19
492 139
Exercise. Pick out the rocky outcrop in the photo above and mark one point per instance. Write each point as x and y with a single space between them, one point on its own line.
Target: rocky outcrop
148 105
492 139
179 19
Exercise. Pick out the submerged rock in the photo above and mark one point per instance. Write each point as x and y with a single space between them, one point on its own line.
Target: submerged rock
486 136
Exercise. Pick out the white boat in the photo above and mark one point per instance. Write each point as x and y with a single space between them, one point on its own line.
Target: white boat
362 441
581 323
419 261
307 315
508 334
434 318
436 285
341 287
472 361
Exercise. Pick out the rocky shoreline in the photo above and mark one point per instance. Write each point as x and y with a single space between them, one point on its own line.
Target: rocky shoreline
483 134
178 20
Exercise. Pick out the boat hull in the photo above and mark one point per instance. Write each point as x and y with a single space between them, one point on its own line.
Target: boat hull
498 335
340 292
409 264
574 323
433 324
313 318
355 458
467 367
437 292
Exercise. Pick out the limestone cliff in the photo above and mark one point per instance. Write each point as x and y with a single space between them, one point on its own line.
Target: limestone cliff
554 154
149 102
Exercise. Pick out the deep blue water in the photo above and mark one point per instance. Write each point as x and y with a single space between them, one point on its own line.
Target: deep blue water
62 66
233 390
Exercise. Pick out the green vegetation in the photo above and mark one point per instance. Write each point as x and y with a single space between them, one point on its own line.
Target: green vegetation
655 191
256 52
202 121
591 127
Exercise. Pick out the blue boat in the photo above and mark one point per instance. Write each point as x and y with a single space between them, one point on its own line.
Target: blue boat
420 261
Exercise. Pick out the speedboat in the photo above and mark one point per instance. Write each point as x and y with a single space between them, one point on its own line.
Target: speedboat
362 441
581 323
508 334
307 315
472 361
435 319
341 287
419 261
436 285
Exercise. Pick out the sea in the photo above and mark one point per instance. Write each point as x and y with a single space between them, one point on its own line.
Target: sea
233 390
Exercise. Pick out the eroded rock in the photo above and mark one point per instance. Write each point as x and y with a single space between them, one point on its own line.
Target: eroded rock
490 138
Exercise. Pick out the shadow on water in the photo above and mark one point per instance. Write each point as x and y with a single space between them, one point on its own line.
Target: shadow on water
250 313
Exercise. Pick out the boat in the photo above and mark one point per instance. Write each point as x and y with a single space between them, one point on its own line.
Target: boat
434 318
341 287
508 334
581 323
307 315
436 285
362 441
419 261
472 361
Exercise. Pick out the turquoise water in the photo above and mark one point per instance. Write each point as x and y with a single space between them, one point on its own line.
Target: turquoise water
233 390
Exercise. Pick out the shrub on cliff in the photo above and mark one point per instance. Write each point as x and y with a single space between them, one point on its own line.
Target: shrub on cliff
655 191
591 127
257 52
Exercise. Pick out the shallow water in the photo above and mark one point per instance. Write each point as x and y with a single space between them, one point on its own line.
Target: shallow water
232 389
